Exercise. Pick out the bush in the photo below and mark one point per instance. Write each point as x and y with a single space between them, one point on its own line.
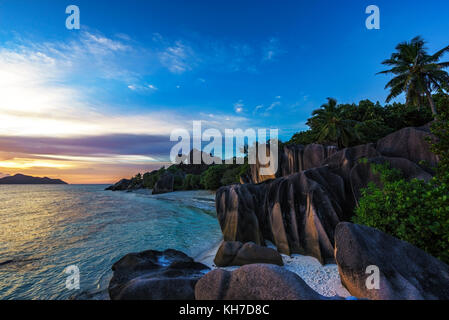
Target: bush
373 121
211 178
195 182
150 178
304 138
187 185
440 128
178 183
231 176
414 211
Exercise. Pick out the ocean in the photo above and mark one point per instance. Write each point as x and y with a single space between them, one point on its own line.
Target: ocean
46 228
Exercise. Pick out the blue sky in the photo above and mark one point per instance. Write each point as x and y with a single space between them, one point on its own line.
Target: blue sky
137 69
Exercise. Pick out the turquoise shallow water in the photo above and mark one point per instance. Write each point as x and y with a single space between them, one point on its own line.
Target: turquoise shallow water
45 228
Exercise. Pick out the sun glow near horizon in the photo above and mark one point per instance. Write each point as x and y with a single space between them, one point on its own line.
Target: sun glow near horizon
38 102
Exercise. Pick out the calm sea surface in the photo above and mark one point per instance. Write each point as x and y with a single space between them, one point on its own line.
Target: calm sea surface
46 228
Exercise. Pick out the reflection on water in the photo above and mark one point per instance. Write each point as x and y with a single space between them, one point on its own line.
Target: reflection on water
44 229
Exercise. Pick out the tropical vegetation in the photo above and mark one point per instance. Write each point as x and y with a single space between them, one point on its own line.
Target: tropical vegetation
417 73
414 211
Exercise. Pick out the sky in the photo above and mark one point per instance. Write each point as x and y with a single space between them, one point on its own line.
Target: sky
98 104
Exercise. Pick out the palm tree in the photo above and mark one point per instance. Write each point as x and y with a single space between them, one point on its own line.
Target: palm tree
417 74
331 125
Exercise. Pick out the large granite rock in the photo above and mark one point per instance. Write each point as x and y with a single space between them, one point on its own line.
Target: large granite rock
297 213
293 159
406 272
362 174
297 158
254 282
255 169
165 184
341 164
239 254
120 186
409 143
344 160
239 212
155 275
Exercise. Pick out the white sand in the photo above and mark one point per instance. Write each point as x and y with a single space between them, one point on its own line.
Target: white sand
323 279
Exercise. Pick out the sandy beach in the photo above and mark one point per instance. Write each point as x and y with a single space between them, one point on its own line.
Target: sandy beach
323 279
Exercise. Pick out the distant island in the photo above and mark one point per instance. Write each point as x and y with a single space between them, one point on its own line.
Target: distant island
23 179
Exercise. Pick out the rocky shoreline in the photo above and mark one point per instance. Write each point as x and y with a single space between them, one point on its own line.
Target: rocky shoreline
297 220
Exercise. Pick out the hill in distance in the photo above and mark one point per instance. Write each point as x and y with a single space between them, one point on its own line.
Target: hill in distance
23 179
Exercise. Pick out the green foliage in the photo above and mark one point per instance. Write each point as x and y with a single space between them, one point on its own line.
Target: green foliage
222 175
440 128
303 137
211 178
195 182
174 169
414 211
371 121
192 182
150 178
442 101
187 184
231 175
136 180
398 116
178 183
331 125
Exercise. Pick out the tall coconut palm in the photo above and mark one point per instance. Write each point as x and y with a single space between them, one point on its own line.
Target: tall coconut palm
417 74
331 125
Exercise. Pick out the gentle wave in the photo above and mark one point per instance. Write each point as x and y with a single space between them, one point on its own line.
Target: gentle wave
44 229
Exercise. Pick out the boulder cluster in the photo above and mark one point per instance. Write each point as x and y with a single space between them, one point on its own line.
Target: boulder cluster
155 275
316 188
303 209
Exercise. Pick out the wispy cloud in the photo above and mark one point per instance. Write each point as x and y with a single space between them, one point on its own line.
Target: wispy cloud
199 52
143 88
265 111
257 108
42 100
56 89
178 58
238 106
273 105
271 50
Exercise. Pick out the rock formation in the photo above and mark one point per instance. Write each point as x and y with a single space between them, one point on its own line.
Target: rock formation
409 143
314 189
239 254
297 158
254 282
293 159
165 184
122 185
298 213
406 272
155 275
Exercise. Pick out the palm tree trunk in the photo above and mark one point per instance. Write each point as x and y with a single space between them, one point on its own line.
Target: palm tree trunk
432 103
